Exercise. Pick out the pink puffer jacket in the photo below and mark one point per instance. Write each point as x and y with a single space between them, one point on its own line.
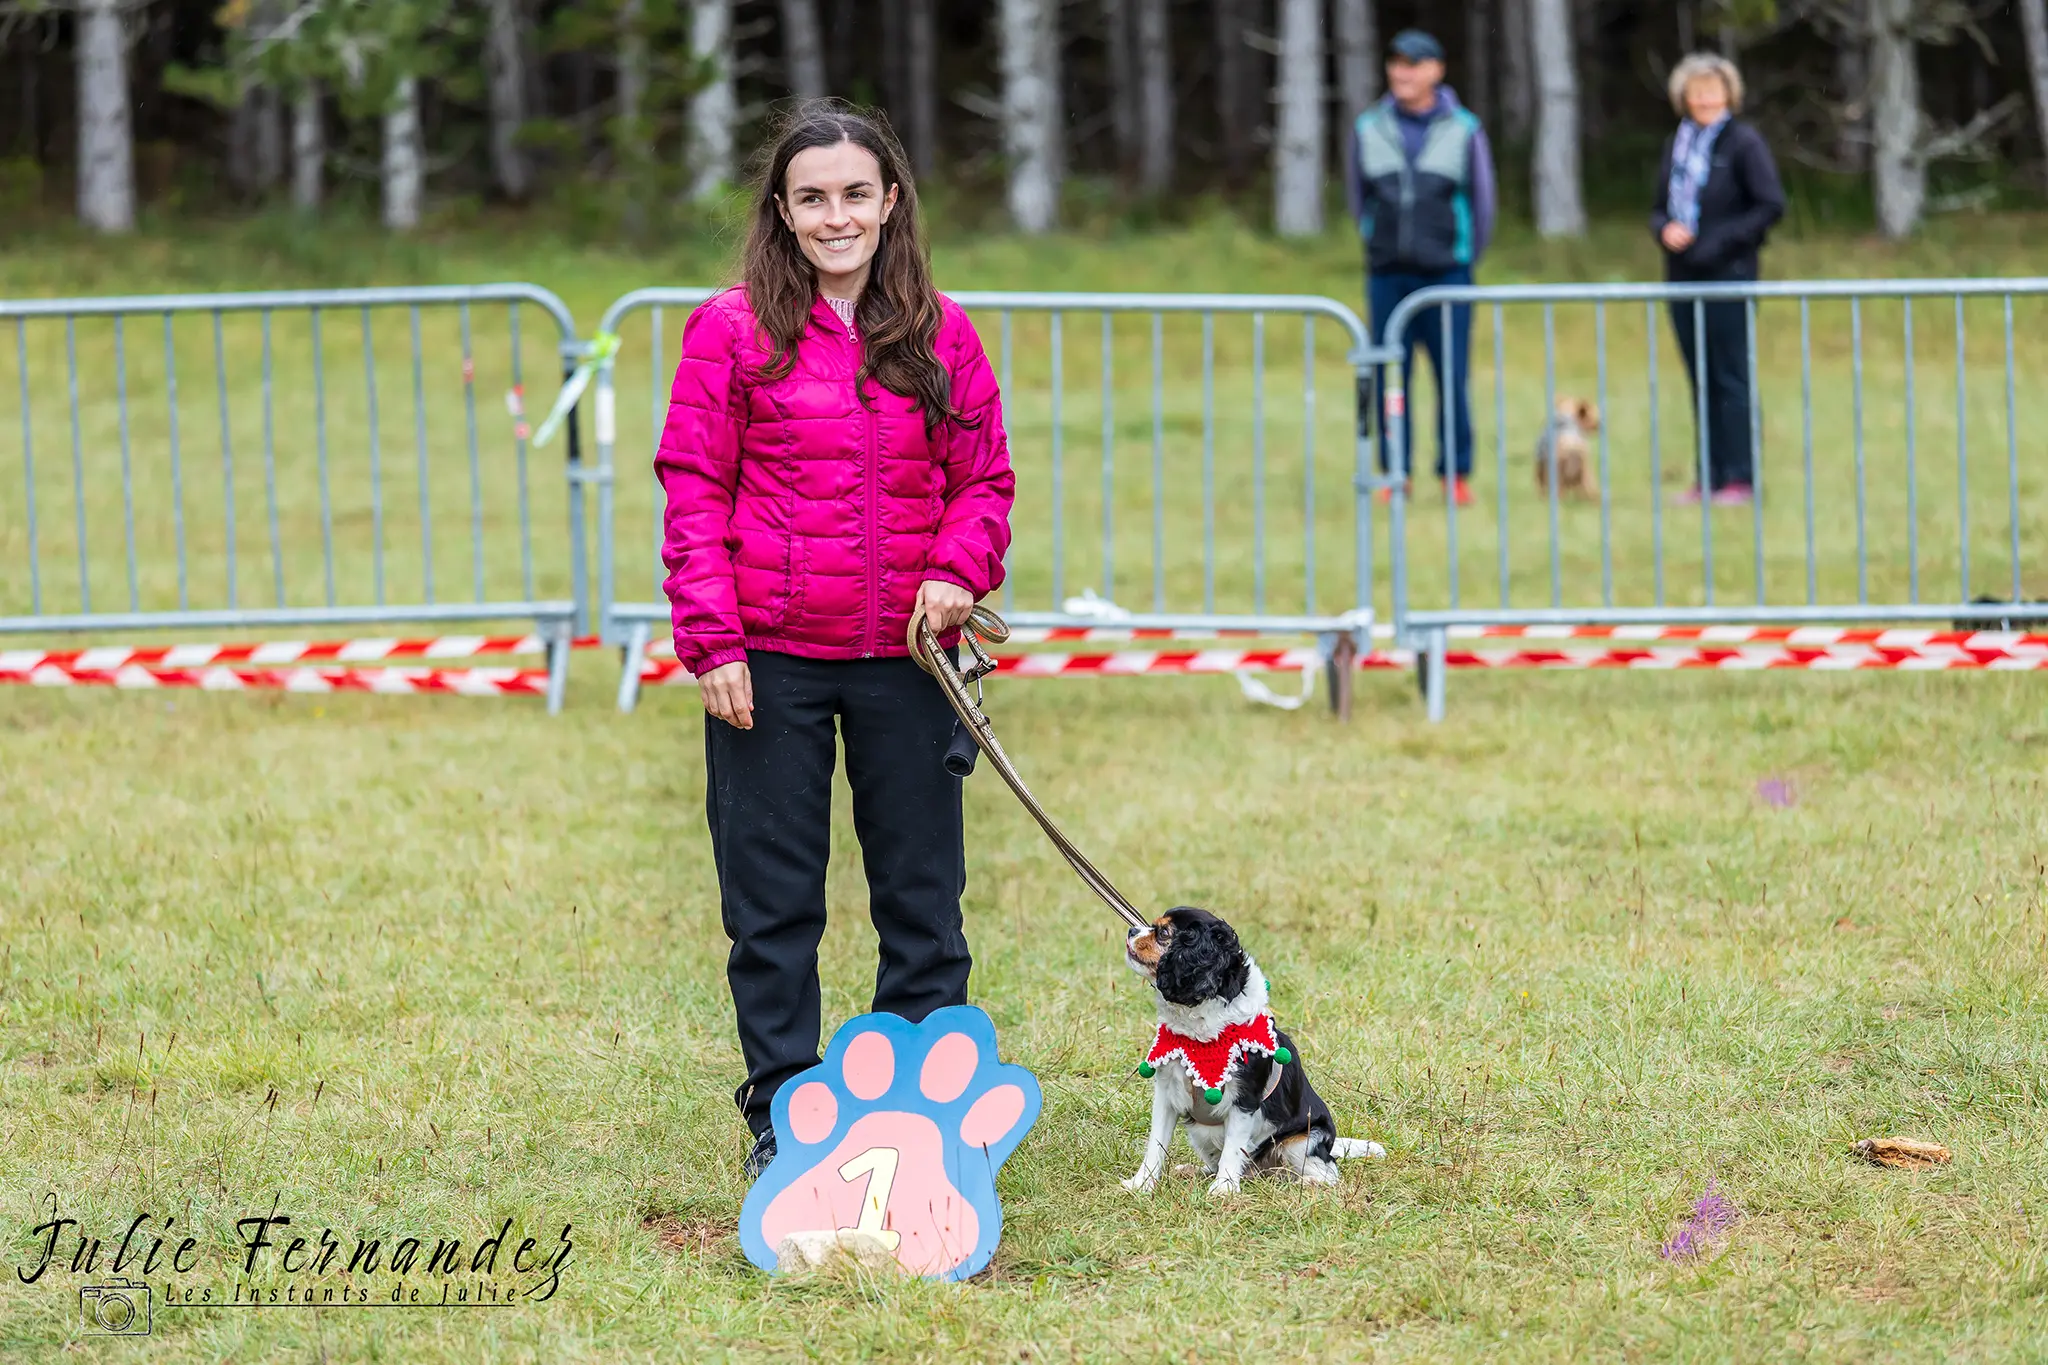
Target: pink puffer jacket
801 521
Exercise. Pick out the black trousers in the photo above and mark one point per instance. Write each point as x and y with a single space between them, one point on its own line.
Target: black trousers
1729 457
769 801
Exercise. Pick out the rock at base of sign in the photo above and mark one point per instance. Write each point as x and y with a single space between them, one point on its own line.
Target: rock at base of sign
1903 1152
826 1250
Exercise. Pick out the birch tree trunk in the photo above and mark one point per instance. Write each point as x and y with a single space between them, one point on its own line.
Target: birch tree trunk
715 107
505 73
1517 83
106 142
1899 177
1031 131
269 110
1475 85
1298 140
1155 99
1124 94
309 150
803 51
1355 29
403 169
1559 193
1852 74
2034 23
632 79
920 76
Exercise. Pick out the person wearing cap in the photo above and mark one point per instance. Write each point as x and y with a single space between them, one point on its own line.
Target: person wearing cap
1419 177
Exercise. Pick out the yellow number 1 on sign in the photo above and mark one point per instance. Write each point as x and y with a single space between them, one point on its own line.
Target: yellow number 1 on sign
896 1138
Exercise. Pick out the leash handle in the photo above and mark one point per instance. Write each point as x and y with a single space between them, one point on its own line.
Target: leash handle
984 625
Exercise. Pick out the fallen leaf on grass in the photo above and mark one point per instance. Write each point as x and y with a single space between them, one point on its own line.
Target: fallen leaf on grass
1902 1152
688 1236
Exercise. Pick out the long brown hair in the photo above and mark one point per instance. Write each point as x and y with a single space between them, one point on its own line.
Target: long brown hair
898 313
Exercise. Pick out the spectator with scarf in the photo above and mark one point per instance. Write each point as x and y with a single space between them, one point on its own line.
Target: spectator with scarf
1717 197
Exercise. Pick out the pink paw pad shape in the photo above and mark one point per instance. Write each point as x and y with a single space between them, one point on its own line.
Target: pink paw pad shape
898 1133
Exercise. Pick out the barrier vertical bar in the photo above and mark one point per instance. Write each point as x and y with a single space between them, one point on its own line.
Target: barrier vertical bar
1962 460
1108 462
1756 448
77 459
1446 402
28 467
657 416
1208 461
1550 466
476 481
1308 463
1158 462
377 459
519 438
1009 585
1703 445
270 469
2012 455
1656 460
419 436
127 463
1856 370
1059 497
1912 470
1606 500
579 521
1259 463
320 452
1393 429
227 449
1500 445
1806 422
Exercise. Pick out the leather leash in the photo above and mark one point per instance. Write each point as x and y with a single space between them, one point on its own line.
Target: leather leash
984 625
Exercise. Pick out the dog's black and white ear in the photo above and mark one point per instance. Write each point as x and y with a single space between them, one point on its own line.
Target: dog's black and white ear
1203 961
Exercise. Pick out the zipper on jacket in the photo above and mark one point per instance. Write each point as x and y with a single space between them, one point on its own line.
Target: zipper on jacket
872 457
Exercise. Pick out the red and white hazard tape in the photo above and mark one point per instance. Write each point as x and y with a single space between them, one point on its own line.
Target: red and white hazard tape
1801 636
275 653
398 681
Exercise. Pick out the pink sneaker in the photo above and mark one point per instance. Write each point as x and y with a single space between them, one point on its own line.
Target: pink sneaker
1689 497
1734 495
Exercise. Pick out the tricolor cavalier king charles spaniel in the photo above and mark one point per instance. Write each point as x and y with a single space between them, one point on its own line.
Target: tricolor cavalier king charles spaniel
1220 1065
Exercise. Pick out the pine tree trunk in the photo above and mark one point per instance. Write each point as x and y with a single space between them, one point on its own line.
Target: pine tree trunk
309 150
505 73
1124 94
1298 140
1233 76
1155 100
1475 86
714 108
2034 22
1852 74
803 51
270 159
920 76
1517 81
1559 193
1899 176
1031 130
632 78
106 143
403 168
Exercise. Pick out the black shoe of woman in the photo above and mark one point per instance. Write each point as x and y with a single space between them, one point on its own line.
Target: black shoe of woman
758 1159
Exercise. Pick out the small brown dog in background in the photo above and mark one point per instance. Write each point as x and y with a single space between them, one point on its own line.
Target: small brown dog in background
1564 442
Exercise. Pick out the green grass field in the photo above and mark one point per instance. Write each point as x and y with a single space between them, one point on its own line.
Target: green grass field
426 965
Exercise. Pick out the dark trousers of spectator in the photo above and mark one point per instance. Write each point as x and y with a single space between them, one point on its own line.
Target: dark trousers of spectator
1384 291
769 800
1728 458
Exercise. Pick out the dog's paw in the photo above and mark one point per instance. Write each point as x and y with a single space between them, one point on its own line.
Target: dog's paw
1223 1185
898 1135
1140 1183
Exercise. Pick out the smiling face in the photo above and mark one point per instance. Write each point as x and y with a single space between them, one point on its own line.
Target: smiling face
1706 99
1413 84
834 202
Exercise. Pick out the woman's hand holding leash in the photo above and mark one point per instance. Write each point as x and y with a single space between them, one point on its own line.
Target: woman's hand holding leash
728 693
946 605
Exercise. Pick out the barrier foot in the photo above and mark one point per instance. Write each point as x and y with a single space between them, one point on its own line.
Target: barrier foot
558 668
1433 666
632 658
1343 670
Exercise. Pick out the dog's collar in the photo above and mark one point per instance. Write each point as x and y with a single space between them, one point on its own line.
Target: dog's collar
1208 1061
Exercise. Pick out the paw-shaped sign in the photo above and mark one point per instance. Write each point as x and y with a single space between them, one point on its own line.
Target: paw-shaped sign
897 1134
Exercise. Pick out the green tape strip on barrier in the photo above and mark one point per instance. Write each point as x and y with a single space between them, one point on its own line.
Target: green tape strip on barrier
597 355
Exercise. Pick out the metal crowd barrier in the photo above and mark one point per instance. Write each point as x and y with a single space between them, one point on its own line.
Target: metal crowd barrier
1195 444
1863 404
234 461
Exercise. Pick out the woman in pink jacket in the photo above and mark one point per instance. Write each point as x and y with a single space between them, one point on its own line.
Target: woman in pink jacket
834 455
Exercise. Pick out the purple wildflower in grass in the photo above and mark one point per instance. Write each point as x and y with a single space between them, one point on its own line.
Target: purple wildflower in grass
1711 1216
1776 792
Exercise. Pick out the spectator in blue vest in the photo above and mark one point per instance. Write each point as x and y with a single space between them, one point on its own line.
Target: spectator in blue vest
1419 175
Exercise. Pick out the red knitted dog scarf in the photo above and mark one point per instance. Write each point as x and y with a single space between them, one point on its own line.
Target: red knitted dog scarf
1209 1060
